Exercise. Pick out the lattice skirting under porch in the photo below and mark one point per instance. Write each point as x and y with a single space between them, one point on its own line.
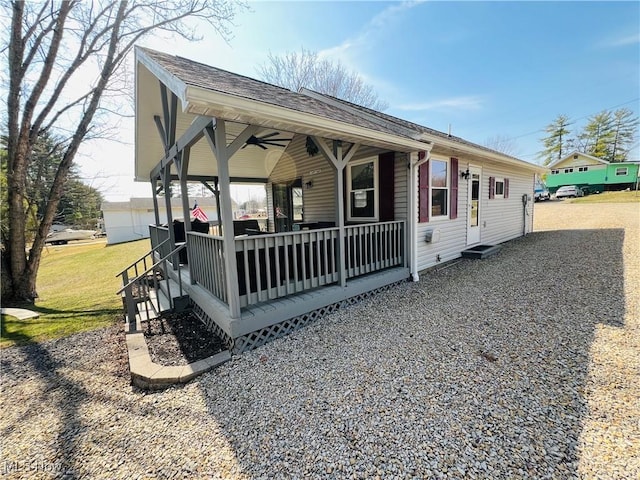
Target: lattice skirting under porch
267 334
212 326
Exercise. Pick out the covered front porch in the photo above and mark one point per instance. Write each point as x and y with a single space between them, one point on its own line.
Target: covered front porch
349 235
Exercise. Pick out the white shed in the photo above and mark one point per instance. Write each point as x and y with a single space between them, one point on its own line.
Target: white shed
127 221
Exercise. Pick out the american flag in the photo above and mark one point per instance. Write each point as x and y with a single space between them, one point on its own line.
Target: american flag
198 213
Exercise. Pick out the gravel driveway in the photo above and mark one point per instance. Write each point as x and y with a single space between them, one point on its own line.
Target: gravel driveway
524 365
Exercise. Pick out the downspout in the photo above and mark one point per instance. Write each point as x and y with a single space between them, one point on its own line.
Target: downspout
414 163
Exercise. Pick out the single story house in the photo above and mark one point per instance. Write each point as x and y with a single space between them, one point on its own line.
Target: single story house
592 174
128 221
357 200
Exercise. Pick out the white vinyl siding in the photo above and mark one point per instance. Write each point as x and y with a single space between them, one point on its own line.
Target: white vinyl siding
452 233
499 221
401 211
320 199
503 220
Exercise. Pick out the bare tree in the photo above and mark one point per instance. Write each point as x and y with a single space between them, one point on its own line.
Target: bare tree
503 144
306 69
51 46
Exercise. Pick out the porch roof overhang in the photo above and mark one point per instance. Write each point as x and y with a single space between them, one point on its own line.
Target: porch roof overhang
296 115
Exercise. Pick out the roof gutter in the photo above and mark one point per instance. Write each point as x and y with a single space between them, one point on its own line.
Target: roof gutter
495 156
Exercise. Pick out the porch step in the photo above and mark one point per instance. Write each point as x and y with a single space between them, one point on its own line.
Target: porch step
180 302
481 251
169 285
147 308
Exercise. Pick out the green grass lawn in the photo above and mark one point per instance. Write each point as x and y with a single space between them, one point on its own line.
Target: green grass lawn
77 287
610 197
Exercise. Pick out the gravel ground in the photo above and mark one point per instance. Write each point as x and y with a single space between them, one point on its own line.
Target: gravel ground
524 365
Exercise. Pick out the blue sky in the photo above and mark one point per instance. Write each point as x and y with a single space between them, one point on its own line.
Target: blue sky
486 68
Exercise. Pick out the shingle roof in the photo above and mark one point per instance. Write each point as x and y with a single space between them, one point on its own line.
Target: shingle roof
412 126
215 79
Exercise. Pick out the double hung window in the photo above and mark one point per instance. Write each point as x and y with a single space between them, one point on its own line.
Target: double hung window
362 185
439 183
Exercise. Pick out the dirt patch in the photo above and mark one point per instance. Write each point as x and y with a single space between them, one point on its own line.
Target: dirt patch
180 339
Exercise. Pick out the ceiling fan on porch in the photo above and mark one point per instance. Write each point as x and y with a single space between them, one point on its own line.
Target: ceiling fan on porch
266 140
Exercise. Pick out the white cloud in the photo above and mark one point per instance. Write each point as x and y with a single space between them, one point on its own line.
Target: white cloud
466 103
622 40
346 51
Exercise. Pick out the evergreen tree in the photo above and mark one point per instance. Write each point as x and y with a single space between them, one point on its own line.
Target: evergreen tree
596 138
624 131
80 205
556 143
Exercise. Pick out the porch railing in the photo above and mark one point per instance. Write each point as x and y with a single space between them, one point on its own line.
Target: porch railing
159 235
276 265
139 279
373 247
206 255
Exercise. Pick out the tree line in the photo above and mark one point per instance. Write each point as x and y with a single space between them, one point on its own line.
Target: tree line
608 135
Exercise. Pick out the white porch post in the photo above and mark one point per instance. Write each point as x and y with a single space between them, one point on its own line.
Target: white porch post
339 193
339 162
217 138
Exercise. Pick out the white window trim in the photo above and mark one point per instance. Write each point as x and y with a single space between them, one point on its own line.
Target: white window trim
626 171
431 188
376 190
495 188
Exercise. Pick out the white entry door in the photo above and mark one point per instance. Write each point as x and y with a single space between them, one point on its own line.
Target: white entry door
473 215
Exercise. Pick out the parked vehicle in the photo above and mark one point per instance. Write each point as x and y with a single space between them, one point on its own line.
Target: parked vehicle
540 194
570 191
61 237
